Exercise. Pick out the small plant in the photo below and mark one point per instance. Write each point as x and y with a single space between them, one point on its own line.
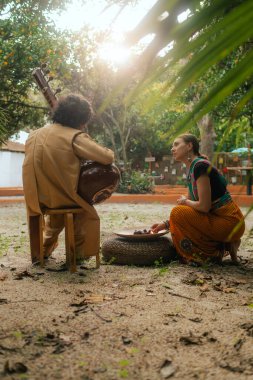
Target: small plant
162 270
23 376
5 243
133 350
124 363
123 372
111 261
159 262
135 183
17 334
181 181
82 364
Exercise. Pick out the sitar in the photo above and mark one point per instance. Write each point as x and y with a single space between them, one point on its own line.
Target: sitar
96 182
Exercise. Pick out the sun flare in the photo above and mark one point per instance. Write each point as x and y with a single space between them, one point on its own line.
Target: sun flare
114 54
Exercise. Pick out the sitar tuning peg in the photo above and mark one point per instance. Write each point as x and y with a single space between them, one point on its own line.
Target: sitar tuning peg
58 90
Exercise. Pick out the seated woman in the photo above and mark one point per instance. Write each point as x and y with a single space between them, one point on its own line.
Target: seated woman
206 224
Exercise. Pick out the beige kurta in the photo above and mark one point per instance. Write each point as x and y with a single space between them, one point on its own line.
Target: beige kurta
51 171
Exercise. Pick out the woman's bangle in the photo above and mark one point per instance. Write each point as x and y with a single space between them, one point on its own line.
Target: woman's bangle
167 224
184 199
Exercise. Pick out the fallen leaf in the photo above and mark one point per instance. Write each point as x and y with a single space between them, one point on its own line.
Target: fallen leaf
219 288
65 338
238 282
238 344
85 336
94 298
14 368
231 368
197 319
82 303
194 279
23 274
190 339
3 276
229 290
248 326
209 337
126 340
204 288
207 277
62 268
167 369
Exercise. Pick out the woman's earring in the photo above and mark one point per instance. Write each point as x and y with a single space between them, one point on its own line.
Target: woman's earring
189 159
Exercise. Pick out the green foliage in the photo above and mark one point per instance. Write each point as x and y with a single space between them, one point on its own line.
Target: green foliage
135 182
162 269
3 124
5 243
211 58
214 31
17 334
123 372
151 135
181 181
27 40
116 124
234 135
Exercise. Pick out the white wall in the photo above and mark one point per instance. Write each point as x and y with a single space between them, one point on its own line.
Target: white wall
11 169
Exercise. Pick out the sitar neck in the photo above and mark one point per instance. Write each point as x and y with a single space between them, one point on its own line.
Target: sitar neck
43 85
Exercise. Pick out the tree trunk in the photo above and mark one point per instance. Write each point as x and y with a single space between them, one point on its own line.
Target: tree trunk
123 133
109 131
207 136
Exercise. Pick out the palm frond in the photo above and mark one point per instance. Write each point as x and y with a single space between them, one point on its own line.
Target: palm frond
243 101
211 33
232 80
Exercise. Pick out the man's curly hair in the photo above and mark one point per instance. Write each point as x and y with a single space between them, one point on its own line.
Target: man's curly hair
72 111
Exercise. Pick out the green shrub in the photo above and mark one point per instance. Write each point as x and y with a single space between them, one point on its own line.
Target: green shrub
135 182
181 181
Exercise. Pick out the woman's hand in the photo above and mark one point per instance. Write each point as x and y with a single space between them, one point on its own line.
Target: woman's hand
203 204
158 227
182 200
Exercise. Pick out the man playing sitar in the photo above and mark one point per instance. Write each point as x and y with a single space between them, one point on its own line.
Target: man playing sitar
51 172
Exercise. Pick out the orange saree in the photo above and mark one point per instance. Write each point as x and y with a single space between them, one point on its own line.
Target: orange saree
198 236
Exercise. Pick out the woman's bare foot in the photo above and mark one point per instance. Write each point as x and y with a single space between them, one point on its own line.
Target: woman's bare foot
233 251
218 259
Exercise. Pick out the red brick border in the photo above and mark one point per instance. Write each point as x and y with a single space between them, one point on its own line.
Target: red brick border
162 195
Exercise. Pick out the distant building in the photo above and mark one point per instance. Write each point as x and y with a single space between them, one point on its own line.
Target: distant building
11 160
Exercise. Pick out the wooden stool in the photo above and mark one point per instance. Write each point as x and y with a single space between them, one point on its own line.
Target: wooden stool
36 236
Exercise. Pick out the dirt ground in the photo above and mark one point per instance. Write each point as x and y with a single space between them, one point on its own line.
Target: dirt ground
122 322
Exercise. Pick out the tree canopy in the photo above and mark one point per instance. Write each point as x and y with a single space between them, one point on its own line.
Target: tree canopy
213 31
27 40
190 69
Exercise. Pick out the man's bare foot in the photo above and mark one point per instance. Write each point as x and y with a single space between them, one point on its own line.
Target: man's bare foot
48 250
